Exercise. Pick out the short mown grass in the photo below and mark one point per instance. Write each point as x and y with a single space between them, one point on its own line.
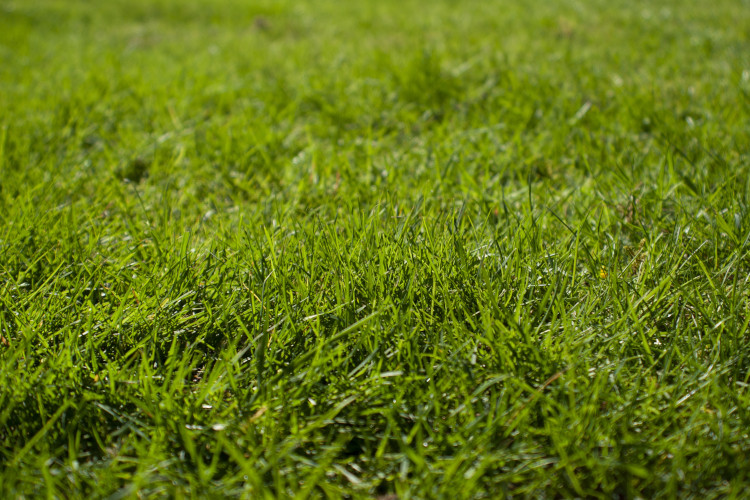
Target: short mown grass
327 249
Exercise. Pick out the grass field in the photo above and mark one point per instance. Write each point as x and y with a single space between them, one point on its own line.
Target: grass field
395 249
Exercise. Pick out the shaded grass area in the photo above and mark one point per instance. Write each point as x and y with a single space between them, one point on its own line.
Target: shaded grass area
355 250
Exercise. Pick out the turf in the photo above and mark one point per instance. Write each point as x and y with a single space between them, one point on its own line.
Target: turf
359 249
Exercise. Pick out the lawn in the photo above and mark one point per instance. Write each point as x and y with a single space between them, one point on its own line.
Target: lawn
394 249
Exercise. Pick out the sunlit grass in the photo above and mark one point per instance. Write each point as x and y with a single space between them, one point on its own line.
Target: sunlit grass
476 249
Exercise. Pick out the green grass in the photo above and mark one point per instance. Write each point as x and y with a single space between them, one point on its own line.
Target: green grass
328 249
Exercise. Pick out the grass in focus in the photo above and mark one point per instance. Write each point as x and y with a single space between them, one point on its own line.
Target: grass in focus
327 249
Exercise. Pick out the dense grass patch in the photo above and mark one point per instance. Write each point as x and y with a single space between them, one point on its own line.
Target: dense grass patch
475 249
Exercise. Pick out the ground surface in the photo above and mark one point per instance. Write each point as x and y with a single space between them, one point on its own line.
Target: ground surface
467 249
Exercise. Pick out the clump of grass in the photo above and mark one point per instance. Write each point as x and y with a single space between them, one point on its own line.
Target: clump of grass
501 251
